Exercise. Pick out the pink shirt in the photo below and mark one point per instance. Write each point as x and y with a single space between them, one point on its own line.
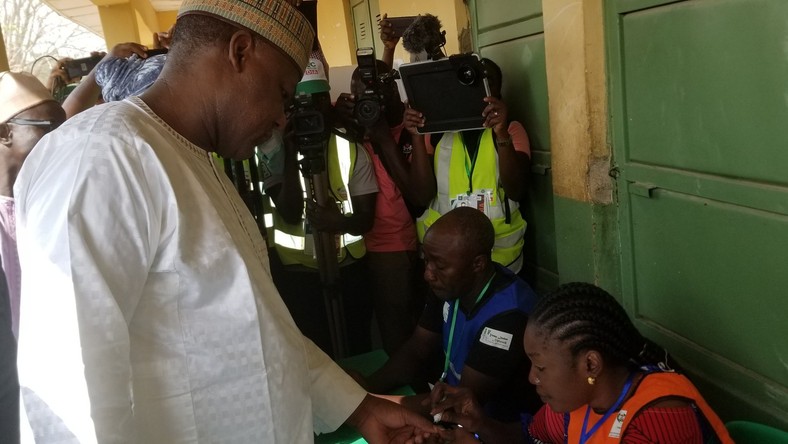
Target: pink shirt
393 229
516 131
10 257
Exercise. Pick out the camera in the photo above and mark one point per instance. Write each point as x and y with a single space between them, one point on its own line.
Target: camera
311 136
370 105
81 67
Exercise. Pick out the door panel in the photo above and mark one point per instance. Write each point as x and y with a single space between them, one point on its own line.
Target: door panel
699 103
511 33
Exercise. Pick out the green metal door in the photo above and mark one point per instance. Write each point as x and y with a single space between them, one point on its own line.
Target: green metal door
511 33
699 103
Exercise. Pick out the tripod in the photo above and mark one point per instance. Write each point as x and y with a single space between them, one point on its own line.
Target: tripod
316 181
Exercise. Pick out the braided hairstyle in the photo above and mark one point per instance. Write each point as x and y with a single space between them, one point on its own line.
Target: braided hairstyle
589 318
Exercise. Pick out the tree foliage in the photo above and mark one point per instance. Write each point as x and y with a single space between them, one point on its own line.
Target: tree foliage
32 31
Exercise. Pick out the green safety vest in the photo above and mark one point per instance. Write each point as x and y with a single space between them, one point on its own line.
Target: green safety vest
293 245
453 166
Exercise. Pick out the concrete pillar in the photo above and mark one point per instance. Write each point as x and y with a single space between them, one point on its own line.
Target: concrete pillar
3 54
585 218
128 21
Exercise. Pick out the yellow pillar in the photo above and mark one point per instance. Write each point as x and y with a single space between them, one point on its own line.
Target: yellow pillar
575 63
3 54
335 31
128 21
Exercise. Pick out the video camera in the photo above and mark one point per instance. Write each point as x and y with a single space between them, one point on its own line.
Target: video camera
311 135
370 105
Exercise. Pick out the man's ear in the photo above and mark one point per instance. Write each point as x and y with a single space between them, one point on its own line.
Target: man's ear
479 262
5 135
240 49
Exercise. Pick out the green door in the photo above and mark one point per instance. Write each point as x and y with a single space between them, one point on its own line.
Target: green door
511 33
699 103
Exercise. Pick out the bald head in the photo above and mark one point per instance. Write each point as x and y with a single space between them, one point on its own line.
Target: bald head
470 227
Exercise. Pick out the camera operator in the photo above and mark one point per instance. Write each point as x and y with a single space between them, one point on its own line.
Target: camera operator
353 189
490 173
128 70
392 258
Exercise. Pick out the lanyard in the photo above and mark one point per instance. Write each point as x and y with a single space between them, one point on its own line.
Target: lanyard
470 163
584 436
451 329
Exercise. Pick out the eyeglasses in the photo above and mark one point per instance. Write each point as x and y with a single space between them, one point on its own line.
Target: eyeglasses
49 125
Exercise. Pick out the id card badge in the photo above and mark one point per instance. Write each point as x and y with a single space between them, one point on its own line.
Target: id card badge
462 200
485 201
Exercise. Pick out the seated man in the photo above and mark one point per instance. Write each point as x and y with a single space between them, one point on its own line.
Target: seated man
476 316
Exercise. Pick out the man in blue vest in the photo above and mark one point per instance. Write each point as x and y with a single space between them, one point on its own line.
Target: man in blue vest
473 323
353 187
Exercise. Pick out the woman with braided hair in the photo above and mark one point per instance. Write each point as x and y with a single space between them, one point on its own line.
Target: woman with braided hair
600 379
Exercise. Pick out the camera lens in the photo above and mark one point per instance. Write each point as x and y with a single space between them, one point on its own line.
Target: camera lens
466 75
367 112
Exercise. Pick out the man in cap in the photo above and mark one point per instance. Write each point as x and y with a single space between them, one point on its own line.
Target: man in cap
154 313
27 113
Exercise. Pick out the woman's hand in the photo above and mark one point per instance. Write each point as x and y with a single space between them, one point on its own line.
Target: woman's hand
413 120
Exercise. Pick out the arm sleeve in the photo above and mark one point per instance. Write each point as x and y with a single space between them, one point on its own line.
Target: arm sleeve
88 226
519 138
546 427
664 424
363 180
335 395
499 361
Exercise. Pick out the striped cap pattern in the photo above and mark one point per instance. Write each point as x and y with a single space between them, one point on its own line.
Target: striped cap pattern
276 20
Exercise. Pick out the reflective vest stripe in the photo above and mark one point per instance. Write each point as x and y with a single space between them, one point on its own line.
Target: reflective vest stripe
451 166
290 240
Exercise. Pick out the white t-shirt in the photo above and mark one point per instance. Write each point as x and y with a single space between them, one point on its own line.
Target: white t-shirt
150 315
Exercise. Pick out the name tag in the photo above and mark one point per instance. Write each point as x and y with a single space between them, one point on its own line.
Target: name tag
615 431
496 338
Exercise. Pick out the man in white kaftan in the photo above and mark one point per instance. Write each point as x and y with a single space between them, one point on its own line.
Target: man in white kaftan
150 315
192 319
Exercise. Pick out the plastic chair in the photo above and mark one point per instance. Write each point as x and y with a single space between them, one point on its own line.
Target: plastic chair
746 432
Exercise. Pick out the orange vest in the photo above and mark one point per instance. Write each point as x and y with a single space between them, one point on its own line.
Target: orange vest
653 386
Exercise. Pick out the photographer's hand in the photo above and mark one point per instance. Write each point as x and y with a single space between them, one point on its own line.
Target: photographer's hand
389 41
343 111
325 217
413 120
125 50
496 116
344 108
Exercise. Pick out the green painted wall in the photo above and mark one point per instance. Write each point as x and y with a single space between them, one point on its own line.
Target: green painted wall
510 32
694 242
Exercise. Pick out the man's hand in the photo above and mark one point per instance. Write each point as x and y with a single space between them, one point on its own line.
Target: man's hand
125 50
325 218
456 405
387 33
380 421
